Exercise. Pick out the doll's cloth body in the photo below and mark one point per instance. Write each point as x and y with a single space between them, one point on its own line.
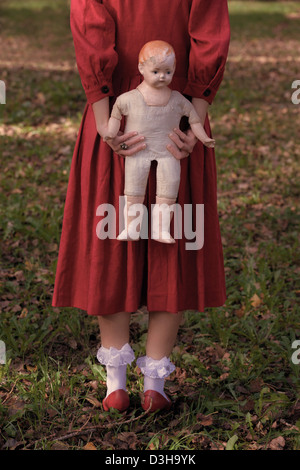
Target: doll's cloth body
155 123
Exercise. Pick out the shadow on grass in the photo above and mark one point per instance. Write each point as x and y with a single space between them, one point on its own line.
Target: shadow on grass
35 20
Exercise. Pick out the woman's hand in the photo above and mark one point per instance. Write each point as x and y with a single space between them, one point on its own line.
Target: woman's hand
127 144
184 143
132 142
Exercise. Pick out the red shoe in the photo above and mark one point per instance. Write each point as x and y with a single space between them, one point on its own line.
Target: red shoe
153 401
118 399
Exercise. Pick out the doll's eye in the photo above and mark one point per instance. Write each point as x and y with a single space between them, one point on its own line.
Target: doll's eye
155 71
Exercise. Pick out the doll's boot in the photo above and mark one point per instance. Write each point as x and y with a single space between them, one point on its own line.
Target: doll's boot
116 361
155 372
133 222
162 214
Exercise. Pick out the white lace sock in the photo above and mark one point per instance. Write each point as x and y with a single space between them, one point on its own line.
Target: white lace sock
116 361
155 372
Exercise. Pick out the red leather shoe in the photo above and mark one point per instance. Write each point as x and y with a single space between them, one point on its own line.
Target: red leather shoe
154 401
118 399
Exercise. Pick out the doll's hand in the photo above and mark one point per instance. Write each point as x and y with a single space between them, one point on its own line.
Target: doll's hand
210 143
184 143
131 143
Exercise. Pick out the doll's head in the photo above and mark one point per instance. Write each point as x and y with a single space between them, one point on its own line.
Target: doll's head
157 63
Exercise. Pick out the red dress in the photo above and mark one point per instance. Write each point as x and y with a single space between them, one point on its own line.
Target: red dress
109 276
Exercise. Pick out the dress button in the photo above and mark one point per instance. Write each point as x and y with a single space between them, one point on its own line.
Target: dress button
207 92
105 89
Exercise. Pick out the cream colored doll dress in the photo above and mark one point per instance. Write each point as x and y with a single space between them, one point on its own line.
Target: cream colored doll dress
155 123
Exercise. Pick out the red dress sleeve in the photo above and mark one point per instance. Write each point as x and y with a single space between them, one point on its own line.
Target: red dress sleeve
93 31
209 32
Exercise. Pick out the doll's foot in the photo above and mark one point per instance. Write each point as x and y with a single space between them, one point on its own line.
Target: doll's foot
126 236
119 400
164 237
153 401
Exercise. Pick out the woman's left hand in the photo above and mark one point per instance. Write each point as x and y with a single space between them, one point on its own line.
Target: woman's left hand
184 143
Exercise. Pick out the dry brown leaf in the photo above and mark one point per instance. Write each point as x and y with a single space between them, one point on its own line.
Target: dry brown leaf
93 400
59 446
40 98
15 405
256 385
224 376
255 301
277 444
24 313
90 446
205 420
241 312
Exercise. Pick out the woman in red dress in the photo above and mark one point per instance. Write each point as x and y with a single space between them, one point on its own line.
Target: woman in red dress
110 278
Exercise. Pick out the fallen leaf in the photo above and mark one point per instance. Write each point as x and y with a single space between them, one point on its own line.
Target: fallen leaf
90 446
205 420
256 385
255 301
40 98
241 312
277 444
24 313
224 376
93 400
59 446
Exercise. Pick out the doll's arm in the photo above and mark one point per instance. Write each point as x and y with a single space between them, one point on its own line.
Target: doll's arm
114 123
200 133
113 128
197 116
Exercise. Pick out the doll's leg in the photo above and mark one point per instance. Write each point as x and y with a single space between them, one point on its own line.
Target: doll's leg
168 180
136 176
156 365
115 353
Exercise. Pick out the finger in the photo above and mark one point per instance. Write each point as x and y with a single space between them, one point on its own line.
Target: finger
135 140
186 146
132 150
181 135
178 154
122 138
176 140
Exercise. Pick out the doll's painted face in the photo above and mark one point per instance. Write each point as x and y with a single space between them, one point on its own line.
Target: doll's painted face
158 72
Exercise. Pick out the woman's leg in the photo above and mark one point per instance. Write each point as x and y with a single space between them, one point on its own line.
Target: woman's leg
115 353
114 329
156 366
162 333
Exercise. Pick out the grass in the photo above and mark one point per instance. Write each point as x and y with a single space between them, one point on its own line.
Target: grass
235 385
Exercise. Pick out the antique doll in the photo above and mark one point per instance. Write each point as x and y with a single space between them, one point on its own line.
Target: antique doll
153 110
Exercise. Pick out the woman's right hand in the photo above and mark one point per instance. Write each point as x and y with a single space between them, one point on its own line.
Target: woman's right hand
131 142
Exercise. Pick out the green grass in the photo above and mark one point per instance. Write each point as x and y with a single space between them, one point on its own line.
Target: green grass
235 386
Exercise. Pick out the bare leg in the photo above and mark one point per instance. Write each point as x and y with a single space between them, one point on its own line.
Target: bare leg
162 333
114 329
156 365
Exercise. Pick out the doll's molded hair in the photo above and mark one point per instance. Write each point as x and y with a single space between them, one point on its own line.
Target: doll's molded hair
155 49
